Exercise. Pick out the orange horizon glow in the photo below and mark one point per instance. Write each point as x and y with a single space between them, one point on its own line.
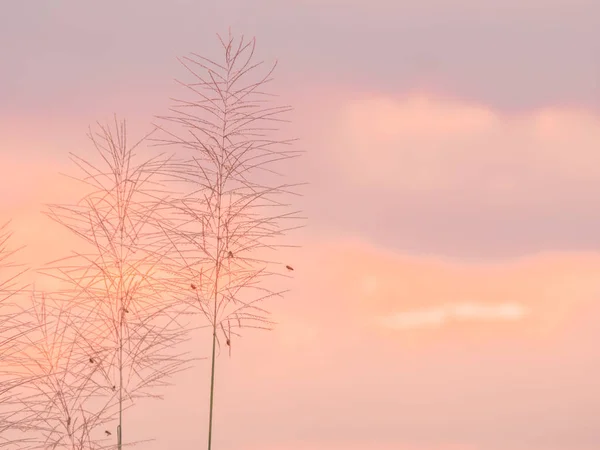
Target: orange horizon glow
445 290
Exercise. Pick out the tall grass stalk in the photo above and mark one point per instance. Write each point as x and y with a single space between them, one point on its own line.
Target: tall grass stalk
232 208
117 281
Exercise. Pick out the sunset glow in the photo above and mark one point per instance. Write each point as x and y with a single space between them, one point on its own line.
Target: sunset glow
445 291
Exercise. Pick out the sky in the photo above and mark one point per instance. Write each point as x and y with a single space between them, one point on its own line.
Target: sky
445 295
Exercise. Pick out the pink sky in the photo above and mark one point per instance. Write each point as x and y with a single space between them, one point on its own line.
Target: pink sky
445 297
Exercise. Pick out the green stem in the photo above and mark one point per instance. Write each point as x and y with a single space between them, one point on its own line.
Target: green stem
212 385
214 324
119 440
120 426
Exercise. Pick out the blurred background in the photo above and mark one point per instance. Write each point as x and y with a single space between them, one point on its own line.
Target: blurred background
446 290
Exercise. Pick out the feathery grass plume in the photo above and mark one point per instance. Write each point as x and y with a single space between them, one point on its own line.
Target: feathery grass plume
116 282
14 332
232 209
67 400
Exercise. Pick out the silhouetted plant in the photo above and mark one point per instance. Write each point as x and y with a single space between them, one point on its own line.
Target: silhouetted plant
67 399
13 330
115 286
232 208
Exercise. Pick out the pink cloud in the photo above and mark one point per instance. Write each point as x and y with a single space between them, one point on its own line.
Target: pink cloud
331 369
328 378
371 281
429 144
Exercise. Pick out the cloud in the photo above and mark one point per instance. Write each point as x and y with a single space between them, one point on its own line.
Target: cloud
459 312
367 286
505 371
430 174
423 143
